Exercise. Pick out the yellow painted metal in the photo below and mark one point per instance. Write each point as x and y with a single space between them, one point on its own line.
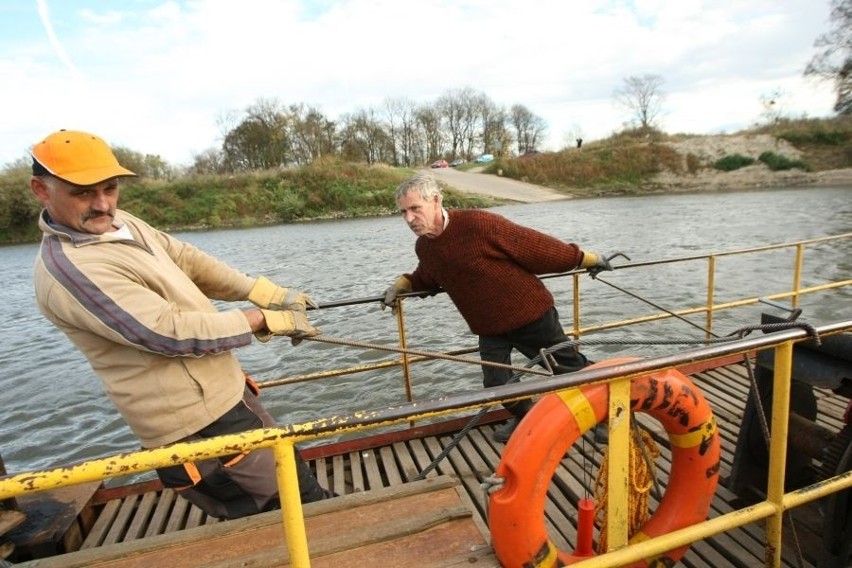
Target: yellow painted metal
403 343
618 456
797 275
818 491
658 545
778 449
724 523
711 295
717 307
293 517
576 306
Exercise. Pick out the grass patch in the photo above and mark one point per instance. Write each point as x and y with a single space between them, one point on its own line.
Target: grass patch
732 162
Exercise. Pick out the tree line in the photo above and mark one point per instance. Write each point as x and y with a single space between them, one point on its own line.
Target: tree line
461 123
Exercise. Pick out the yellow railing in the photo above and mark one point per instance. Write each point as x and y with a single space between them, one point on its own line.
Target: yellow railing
282 439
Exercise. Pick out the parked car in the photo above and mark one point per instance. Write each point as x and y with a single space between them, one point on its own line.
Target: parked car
484 159
439 164
457 162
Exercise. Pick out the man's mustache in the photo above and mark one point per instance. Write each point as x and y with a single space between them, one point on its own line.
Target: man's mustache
92 214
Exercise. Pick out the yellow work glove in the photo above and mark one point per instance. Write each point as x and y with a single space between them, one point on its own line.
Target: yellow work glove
595 263
266 295
400 286
293 324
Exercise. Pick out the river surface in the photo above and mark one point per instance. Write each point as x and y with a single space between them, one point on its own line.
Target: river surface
55 413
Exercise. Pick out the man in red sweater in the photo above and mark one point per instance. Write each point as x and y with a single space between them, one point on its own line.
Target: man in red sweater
489 265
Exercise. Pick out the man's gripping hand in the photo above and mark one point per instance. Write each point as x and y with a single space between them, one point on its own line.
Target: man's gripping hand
595 263
266 295
294 324
400 286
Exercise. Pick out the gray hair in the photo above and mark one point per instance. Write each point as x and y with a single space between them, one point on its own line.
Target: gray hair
424 183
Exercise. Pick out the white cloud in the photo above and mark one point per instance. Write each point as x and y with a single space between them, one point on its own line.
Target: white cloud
154 76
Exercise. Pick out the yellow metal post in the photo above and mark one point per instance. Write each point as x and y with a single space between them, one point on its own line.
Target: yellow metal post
291 504
576 325
797 275
619 465
778 450
403 343
711 295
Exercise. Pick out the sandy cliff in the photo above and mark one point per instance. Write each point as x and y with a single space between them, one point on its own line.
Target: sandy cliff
711 148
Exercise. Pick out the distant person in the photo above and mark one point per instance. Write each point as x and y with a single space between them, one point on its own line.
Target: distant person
137 303
488 266
579 143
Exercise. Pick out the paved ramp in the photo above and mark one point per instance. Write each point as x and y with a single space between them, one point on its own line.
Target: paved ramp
495 186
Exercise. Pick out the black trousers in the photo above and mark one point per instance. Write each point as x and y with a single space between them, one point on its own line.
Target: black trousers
238 485
528 339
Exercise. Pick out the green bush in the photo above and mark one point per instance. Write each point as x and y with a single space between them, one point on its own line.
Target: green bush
777 162
733 162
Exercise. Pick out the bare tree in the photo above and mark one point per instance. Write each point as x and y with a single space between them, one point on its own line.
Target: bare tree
834 62
496 135
401 122
210 161
363 137
458 110
429 125
261 140
643 97
312 135
529 128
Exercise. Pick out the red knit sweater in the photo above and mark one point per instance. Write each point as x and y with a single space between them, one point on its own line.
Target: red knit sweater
488 266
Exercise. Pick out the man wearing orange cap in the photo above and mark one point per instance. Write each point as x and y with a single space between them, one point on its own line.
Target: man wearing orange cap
137 303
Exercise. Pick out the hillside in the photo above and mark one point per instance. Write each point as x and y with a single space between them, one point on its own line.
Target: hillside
709 149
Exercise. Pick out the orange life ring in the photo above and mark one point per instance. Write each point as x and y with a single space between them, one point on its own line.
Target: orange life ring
530 458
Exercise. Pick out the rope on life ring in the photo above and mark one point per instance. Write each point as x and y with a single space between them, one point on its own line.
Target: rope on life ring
530 458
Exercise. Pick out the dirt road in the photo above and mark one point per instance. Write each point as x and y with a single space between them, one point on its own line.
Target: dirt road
494 186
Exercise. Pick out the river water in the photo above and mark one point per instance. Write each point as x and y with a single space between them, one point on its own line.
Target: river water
55 413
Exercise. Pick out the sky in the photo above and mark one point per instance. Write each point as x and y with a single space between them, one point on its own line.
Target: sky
161 77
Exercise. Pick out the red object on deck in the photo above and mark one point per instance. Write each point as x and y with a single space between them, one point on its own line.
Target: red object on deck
585 527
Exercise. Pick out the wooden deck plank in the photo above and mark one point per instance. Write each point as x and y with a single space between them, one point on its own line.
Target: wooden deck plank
356 472
339 475
371 466
102 525
195 518
406 460
161 513
389 466
321 471
140 519
395 526
421 457
122 520
177 517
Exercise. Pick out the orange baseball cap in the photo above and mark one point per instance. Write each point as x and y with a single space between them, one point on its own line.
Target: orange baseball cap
77 157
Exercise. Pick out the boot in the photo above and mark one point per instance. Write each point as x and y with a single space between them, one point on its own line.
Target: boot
503 432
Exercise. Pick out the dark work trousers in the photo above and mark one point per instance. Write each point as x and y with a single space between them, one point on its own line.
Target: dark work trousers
528 339
238 485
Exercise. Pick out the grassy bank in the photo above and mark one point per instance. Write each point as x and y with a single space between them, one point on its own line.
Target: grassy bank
323 190
626 163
